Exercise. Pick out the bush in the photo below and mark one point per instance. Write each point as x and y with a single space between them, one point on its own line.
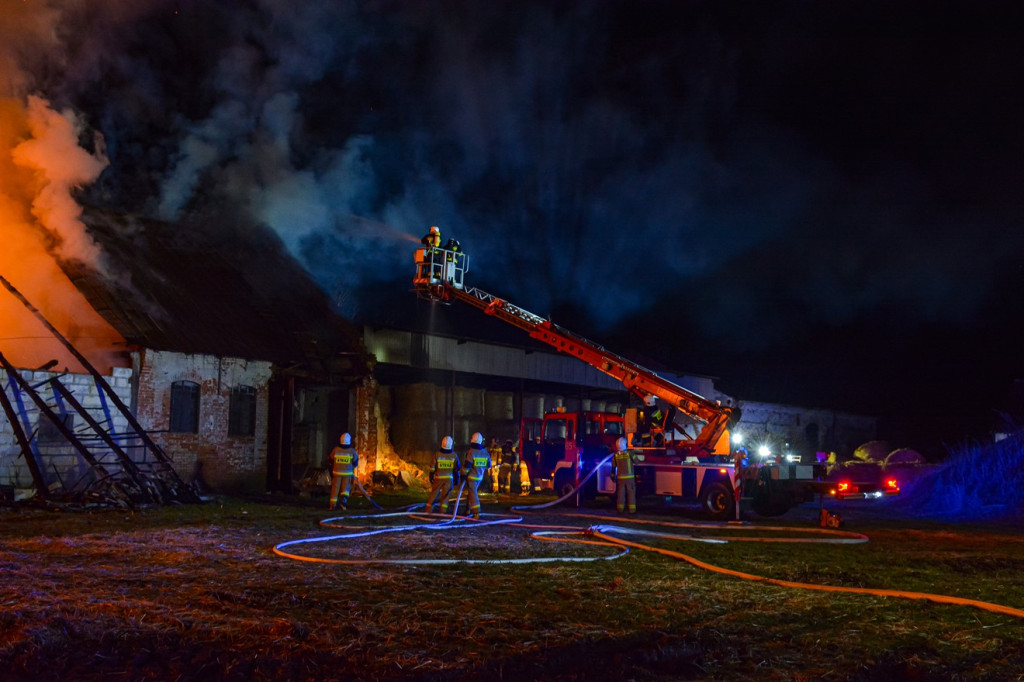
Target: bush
977 481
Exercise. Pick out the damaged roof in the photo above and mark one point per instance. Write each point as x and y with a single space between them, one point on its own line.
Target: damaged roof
228 290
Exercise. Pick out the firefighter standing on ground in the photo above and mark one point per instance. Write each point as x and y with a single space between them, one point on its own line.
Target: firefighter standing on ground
446 462
535 460
625 478
477 462
344 460
494 473
509 459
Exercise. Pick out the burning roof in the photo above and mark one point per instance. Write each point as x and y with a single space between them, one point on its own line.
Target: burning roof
230 291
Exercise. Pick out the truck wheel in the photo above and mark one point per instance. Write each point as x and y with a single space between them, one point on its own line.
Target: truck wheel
716 501
563 485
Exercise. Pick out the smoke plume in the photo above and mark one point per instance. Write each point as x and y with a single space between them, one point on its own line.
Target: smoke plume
724 170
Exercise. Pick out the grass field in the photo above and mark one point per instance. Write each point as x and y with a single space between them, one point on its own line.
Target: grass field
195 592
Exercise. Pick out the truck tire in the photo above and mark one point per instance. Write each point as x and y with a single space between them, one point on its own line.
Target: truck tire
716 501
564 485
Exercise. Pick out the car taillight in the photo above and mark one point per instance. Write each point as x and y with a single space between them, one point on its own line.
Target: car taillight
847 488
892 484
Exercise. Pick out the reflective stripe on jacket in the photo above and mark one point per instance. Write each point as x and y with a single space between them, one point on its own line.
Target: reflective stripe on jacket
445 464
623 462
345 461
478 461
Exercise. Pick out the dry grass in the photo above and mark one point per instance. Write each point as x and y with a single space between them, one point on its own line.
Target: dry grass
195 592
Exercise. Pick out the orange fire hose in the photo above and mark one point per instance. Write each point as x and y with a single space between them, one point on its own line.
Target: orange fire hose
937 598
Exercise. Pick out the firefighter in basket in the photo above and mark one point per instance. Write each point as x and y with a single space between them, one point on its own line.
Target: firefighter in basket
477 462
625 478
344 460
432 239
446 463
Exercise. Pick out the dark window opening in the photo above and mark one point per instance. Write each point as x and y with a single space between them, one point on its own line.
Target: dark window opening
242 411
185 407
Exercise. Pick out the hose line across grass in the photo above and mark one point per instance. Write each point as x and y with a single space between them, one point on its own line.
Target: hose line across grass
606 536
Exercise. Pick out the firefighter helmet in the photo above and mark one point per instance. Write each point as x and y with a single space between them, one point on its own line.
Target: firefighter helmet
650 400
446 443
620 444
346 439
477 439
434 229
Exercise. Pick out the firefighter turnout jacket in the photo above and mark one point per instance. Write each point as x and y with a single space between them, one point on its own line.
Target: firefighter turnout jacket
344 460
478 461
622 462
445 464
625 481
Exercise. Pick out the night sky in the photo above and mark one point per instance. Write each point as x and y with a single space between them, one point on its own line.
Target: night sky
818 203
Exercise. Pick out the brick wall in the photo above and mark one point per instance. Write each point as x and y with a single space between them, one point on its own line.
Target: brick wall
367 416
219 462
58 460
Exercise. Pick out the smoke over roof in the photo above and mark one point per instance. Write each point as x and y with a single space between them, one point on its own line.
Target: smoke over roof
739 173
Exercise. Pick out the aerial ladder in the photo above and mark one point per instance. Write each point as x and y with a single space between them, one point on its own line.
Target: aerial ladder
686 468
440 277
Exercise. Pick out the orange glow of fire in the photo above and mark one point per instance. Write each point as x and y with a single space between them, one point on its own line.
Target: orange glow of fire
40 165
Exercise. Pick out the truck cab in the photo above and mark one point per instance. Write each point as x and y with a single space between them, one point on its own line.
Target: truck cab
571 444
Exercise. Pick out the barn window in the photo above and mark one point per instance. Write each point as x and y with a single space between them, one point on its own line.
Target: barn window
185 407
242 411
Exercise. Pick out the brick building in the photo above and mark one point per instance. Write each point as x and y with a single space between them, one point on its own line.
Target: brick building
240 369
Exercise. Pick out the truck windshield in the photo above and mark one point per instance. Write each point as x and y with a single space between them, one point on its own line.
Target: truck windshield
555 430
613 429
602 427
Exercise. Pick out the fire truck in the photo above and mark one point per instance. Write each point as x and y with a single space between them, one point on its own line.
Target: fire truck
684 454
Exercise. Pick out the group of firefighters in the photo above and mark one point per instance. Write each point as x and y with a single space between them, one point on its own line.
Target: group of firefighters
477 464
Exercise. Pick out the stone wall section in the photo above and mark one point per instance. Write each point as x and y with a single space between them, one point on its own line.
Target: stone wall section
806 430
59 461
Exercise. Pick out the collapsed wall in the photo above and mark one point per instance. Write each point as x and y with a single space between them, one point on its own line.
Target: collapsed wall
58 463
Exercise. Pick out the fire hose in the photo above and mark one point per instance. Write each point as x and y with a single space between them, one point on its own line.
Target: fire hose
603 536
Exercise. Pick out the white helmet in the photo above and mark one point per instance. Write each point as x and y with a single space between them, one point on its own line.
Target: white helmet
650 400
620 444
446 443
477 439
346 439
434 229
